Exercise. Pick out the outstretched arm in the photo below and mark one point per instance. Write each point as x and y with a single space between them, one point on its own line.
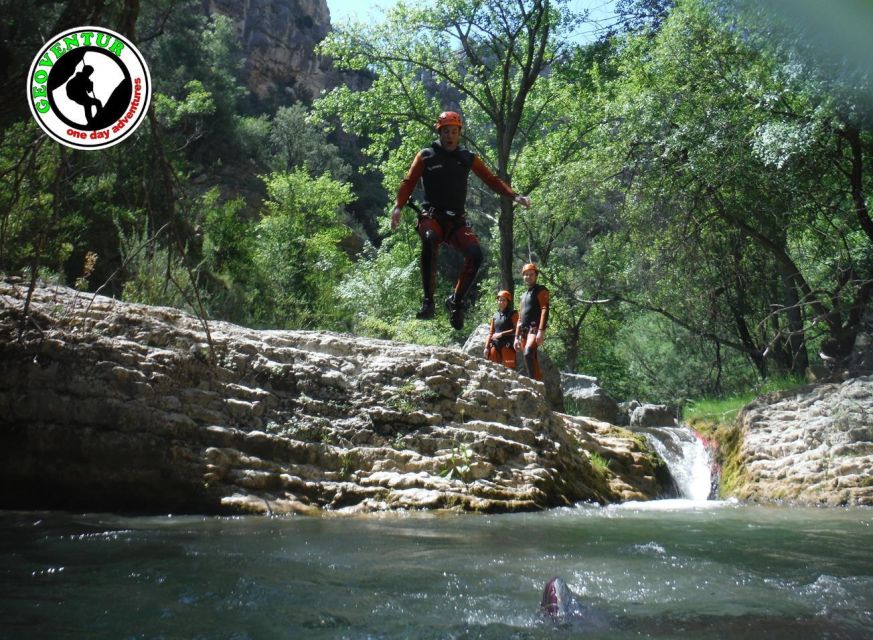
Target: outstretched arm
406 189
489 338
497 185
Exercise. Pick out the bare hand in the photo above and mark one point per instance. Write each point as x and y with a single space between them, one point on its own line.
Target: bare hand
523 201
541 337
395 217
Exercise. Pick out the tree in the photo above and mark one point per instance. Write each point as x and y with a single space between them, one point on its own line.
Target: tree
746 191
295 142
487 56
297 253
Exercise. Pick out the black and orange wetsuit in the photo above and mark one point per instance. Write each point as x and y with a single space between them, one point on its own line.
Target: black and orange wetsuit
533 318
502 349
445 176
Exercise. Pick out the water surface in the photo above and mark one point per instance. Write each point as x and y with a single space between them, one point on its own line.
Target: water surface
671 569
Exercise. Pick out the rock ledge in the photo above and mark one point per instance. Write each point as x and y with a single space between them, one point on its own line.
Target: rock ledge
116 406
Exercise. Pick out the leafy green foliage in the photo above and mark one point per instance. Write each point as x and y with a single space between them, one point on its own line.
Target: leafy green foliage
668 363
297 250
26 199
700 182
294 141
156 275
715 411
724 193
198 91
458 465
383 292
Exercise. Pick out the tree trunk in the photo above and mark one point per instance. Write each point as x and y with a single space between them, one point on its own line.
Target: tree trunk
506 220
507 243
739 308
716 387
798 358
751 349
856 178
778 352
571 346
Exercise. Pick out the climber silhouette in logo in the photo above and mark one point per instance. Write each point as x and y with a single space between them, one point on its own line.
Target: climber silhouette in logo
80 89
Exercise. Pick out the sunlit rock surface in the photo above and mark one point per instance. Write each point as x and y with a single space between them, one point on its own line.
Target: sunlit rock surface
551 381
588 398
813 445
116 406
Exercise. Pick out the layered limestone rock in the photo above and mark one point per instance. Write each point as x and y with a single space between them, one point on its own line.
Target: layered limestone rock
116 406
551 381
811 446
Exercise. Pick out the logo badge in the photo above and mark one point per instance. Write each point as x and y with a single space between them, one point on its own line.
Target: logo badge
89 88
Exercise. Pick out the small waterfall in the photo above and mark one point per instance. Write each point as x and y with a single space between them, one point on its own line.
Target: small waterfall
686 457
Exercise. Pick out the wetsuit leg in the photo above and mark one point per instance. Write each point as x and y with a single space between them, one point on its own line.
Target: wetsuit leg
431 235
507 355
493 354
468 244
530 356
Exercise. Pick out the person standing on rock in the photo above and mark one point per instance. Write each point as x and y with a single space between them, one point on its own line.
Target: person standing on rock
499 345
444 169
534 317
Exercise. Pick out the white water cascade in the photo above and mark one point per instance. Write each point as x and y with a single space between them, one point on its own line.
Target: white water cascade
686 458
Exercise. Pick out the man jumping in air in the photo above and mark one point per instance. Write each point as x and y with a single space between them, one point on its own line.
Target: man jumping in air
444 169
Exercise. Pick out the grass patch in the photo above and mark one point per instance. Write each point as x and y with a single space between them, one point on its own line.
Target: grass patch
717 411
724 411
408 398
599 462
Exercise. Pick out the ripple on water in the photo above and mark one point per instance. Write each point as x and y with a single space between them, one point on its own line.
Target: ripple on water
650 549
738 573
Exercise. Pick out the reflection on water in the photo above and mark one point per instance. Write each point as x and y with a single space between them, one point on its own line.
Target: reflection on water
721 571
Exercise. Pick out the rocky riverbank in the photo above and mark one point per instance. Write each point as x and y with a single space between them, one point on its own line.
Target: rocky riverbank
106 405
812 445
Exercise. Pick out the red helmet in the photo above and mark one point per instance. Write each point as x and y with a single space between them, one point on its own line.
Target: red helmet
504 294
530 266
448 118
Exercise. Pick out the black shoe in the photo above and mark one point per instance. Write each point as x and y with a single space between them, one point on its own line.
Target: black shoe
426 311
456 312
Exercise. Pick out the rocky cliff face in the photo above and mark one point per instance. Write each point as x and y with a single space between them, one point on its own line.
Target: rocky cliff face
279 39
811 446
115 406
